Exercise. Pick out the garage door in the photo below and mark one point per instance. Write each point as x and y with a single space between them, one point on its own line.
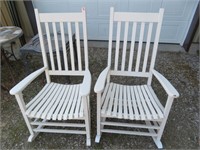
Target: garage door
177 17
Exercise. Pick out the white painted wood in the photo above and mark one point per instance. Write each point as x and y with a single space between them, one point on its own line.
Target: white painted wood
105 105
38 98
152 99
150 106
140 108
64 45
124 46
58 124
61 103
72 94
57 101
116 99
130 107
66 73
77 111
85 39
78 46
128 132
146 109
87 121
125 102
130 125
61 17
171 91
110 35
132 46
60 131
86 85
157 142
157 36
117 44
75 98
50 46
104 94
37 112
140 47
111 99
120 102
71 45
26 81
53 102
53 106
147 47
129 73
136 17
135 106
99 85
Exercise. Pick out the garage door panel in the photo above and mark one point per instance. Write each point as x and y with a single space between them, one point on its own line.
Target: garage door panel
144 5
180 10
172 32
104 7
177 16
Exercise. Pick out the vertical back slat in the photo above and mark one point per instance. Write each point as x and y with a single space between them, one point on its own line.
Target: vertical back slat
110 35
124 46
117 44
140 46
132 46
71 45
78 46
147 47
64 45
50 46
56 46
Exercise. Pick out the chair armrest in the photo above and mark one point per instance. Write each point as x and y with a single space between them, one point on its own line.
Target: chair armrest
26 81
99 86
171 91
86 85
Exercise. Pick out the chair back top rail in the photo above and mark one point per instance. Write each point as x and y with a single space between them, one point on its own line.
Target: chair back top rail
144 29
66 53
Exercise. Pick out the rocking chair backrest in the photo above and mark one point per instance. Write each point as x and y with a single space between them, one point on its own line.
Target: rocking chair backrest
59 47
133 61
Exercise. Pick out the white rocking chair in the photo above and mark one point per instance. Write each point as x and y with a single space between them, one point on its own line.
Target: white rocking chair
133 102
56 103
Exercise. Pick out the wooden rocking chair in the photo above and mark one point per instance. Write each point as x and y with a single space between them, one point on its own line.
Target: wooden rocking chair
133 102
57 103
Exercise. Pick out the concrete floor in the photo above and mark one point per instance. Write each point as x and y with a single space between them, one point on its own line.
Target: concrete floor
182 128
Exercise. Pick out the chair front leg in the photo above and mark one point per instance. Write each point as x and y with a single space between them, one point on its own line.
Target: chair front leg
166 114
22 106
87 120
98 136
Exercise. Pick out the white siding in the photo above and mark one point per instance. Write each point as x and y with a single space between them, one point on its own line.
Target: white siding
177 17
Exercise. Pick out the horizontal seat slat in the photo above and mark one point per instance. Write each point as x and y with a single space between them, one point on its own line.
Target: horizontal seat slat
130 102
56 102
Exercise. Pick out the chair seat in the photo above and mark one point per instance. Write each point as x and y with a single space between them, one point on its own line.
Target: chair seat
131 102
57 102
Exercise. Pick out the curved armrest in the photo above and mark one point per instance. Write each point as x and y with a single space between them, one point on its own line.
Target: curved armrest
99 86
171 91
86 85
26 81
